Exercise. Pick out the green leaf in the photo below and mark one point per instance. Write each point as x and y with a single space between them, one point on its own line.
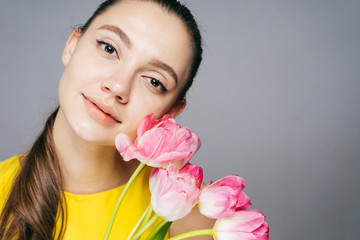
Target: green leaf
162 232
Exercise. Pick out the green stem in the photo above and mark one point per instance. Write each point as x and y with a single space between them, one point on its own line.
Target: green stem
156 230
151 222
126 188
193 234
147 217
148 209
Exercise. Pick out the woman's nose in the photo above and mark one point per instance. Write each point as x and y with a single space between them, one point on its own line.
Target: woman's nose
119 88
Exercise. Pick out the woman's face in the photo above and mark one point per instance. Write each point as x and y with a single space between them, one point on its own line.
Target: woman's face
133 60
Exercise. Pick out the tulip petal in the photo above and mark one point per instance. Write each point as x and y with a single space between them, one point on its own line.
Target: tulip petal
172 156
244 221
173 206
146 124
160 142
187 140
167 122
152 179
223 197
126 148
243 201
234 236
218 203
244 224
175 192
262 233
156 142
232 181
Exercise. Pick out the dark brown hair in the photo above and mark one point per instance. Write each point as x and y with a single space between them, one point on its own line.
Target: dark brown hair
36 198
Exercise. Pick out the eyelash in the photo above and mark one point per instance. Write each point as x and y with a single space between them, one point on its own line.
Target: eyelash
152 80
106 44
155 81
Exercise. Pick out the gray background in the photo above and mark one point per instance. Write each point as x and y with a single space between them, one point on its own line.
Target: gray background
276 100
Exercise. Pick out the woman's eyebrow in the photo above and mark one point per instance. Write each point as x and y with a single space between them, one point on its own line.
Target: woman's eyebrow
118 32
127 42
165 67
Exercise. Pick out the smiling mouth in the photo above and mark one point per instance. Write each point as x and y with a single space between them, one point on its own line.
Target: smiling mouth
98 113
106 113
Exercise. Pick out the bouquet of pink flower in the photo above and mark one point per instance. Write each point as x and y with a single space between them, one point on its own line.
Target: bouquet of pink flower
175 186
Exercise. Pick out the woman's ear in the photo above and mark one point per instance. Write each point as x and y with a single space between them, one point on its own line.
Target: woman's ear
177 108
70 46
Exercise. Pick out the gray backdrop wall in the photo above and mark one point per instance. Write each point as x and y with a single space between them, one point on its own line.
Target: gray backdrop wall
276 100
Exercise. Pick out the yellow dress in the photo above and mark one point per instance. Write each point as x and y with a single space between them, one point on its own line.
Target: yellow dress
88 215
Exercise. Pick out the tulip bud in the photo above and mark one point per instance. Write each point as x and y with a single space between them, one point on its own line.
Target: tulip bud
159 143
174 193
223 197
243 225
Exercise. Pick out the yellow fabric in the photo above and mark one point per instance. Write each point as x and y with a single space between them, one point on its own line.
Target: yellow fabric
88 215
8 170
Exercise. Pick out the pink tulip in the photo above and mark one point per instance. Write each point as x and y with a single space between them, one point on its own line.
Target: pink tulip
159 143
223 197
174 193
243 225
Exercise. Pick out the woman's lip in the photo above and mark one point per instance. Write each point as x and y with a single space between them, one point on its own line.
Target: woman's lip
99 111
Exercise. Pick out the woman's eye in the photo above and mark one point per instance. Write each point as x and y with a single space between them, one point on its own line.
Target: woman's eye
157 84
107 47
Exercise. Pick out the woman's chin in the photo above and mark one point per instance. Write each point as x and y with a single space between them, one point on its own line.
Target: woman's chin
94 134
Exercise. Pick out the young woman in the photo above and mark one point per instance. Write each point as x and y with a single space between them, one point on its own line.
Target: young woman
131 58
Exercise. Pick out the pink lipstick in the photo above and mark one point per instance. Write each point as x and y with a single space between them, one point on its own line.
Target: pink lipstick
100 113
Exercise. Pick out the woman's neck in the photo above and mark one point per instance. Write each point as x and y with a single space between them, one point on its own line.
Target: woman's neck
87 167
